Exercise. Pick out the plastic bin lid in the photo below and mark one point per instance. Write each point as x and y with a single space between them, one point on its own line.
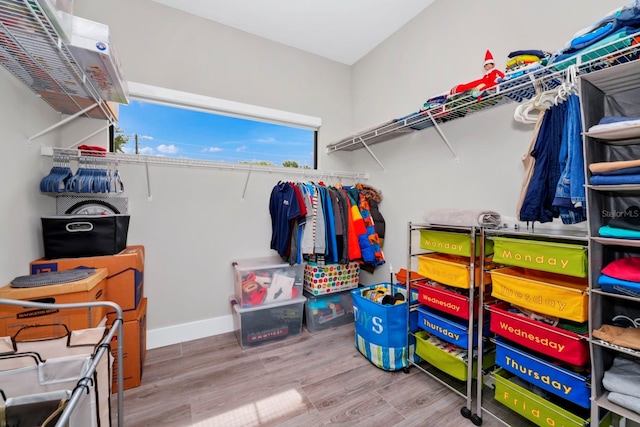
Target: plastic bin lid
241 310
261 262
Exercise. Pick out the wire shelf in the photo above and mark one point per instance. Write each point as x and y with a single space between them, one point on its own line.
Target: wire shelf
517 89
32 50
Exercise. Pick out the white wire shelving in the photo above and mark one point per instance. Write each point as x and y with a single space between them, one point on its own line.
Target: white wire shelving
32 50
516 90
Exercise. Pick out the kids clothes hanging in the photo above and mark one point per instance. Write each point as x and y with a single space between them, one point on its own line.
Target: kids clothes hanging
333 222
285 211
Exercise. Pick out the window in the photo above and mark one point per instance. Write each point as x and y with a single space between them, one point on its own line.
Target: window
161 122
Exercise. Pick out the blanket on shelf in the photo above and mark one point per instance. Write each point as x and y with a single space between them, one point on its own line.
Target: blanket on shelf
466 217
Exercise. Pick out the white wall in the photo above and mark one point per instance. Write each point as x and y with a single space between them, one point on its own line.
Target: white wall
196 221
440 48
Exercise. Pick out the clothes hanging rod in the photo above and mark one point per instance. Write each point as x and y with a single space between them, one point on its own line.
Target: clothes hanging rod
73 154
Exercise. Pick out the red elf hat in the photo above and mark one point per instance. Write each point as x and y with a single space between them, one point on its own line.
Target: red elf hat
488 58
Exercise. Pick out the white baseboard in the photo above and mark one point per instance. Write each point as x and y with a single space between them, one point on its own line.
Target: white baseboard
162 337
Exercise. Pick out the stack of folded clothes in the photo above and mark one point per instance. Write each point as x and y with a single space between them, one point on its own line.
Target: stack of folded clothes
622 381
622 172
622 276
611 33
525 61
616 128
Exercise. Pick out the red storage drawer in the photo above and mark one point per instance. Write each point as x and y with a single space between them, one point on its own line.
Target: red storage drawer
550 340
445 300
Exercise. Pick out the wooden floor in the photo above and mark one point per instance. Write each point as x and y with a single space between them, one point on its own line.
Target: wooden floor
313 379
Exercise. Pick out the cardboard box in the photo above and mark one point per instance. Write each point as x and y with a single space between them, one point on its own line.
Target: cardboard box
126 273
89 289
134 350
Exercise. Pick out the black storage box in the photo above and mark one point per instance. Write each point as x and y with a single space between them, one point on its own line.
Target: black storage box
73 236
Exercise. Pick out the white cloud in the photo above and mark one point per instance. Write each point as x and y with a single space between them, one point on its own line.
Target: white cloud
242 148
169 149
267 140
212 150
149 137
127 150
147 151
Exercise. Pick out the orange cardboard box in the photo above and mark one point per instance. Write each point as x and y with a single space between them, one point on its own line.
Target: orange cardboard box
126 273
134 328
89 289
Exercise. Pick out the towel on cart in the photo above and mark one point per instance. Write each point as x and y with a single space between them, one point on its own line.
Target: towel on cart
467 217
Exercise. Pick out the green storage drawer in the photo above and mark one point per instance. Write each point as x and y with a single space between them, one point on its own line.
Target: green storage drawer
452 243
448 357
535 408
553 257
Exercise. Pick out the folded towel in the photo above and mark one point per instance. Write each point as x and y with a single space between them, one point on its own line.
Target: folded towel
625 400
467 217
623 377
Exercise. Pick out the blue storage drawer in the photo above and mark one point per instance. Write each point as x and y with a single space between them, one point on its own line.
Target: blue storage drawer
447 328
555 379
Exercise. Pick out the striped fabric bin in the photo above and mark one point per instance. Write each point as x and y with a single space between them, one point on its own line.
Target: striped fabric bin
381 332
386 358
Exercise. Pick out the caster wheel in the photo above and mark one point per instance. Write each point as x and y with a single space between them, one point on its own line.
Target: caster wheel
475 419
405 369
465 412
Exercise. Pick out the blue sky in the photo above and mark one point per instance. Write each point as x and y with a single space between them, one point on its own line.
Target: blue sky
181 133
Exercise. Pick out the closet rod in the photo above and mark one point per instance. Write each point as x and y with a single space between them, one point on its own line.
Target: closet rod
74 154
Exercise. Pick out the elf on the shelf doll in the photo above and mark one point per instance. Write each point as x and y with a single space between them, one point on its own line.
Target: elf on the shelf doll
492 77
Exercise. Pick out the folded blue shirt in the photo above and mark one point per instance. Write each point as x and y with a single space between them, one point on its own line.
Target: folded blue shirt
616 119
615 179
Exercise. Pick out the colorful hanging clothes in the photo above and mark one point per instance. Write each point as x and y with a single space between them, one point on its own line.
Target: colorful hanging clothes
372 235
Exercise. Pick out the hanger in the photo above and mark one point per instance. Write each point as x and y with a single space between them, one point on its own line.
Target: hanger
568 86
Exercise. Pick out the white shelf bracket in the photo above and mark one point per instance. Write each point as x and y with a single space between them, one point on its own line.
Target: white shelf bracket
91 135
62 122
370 152
444 138
149 197
246 182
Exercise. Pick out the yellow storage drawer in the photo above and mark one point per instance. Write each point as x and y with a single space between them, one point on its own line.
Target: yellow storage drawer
547 293
450 270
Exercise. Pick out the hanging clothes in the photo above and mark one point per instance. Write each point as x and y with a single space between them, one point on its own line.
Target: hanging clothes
368 239
331 239
284 210
341 205
570 198
538 202
372 234
313 221
529 162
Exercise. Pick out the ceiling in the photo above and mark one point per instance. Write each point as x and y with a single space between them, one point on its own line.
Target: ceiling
341 30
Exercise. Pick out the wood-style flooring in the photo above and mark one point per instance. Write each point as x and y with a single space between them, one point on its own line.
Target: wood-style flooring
314 379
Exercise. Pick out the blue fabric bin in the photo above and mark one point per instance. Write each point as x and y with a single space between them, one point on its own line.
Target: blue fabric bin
448 328
382 332
557 380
